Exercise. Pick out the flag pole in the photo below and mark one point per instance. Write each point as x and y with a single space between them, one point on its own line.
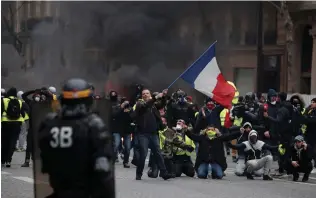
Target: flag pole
191 65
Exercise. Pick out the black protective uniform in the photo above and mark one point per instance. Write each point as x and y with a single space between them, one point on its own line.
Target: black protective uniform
76 147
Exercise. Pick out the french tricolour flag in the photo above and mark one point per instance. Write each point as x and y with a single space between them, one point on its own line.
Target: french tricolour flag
204 75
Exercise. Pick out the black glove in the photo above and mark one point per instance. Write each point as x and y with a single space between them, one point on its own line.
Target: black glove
189 148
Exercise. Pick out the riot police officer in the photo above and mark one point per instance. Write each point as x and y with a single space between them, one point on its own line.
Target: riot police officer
76 147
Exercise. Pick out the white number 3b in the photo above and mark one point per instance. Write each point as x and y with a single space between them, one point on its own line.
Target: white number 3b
62 137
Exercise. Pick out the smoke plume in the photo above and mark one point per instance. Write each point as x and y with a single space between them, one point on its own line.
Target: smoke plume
124 42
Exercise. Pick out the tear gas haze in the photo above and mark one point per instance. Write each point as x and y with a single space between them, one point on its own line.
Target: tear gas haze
125 42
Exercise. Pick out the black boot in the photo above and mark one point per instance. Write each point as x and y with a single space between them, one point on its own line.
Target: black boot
305 177
26 164
249 176
267 177
165 175
138 176
295 176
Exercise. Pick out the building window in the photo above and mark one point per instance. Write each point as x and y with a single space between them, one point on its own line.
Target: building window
251 32
269 24
244 80
235 34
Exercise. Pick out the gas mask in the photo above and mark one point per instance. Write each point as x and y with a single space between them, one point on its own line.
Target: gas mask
43 97
178 127
37 98
253 139
182 100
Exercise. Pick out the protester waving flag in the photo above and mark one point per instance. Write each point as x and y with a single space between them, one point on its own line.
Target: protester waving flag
205 76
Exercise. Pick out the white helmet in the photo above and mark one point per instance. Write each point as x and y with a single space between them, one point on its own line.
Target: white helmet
52 90
2 90
19 94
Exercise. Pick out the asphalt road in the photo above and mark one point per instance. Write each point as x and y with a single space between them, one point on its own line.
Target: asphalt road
17 182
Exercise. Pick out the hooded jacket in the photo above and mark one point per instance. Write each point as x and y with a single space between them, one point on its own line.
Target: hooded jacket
253 151
303 157
283 122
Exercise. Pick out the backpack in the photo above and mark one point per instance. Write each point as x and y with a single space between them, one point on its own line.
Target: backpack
14 110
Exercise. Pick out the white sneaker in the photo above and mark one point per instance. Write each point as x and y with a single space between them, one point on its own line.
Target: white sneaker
314 170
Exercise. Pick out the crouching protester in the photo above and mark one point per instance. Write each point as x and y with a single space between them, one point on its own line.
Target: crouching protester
183 146
241 162
254 155
211 156
176 149
299 159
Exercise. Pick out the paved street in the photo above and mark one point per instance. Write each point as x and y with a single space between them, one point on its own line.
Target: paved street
18 182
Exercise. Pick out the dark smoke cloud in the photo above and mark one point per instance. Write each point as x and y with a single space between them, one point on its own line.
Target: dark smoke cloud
140 41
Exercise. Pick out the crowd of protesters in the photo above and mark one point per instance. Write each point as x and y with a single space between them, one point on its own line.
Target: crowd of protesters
255 131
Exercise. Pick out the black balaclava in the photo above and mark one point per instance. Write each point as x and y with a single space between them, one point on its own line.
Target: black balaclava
113 96
253 137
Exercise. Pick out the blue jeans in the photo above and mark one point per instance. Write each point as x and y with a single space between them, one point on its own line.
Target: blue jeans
127 145
214 168
152 141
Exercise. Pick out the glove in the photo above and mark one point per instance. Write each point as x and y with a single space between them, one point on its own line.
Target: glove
188 148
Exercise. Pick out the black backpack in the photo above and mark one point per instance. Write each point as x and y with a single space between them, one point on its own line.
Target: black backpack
14 110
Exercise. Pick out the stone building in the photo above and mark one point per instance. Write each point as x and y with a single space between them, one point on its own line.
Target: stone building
234 25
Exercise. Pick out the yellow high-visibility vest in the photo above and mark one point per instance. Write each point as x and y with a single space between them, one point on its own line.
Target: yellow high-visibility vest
223 116
4 117
180 151
237 121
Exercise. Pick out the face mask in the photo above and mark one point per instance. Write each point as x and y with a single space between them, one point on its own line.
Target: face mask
273 103
253 139
178 127
211 134
210 106
37 99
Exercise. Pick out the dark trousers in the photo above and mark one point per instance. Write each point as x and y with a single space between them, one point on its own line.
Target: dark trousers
153 172
29 146
9 135
145 141
312 143
135 145
185 167
303 168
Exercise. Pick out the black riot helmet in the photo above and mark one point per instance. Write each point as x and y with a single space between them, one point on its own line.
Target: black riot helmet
76 97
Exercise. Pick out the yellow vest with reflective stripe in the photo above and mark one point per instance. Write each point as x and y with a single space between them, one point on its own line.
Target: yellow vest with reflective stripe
180 151
4 115
237 121
223 116
162 138
26 117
